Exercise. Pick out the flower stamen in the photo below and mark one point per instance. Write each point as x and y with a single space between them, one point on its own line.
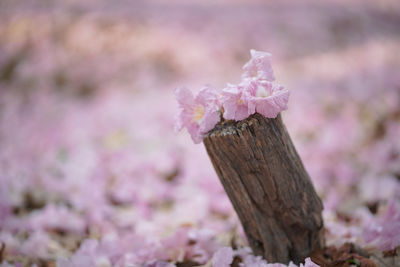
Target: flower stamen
198 113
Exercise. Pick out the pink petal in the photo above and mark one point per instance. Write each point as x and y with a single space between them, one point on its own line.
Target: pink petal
258 66
309 263
271 106
268 106
223 257
186 103
195 134
242 112
207 96
230 101
210 119
184 97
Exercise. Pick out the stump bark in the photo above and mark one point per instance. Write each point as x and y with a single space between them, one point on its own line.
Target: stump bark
268 186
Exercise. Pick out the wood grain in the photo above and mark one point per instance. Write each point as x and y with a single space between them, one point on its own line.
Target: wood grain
268 186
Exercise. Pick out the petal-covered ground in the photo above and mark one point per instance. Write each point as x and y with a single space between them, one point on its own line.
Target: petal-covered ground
92 172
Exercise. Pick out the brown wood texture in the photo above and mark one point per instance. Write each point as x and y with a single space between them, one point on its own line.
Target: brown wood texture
268 186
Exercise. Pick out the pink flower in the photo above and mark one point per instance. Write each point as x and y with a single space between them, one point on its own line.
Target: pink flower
199 114
258 66
266 98
234 103
256 93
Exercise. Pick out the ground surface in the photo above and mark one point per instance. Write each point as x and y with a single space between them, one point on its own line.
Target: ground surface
91 170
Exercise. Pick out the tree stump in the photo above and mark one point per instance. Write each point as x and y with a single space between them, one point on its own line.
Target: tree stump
268 186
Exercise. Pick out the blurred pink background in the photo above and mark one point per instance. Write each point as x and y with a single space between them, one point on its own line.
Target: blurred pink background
91 171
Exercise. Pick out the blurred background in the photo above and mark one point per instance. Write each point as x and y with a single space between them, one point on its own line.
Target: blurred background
91 171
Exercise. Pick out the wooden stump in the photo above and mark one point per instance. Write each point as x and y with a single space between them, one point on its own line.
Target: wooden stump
268 186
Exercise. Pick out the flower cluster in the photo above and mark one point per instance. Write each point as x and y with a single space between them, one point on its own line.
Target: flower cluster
256 93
